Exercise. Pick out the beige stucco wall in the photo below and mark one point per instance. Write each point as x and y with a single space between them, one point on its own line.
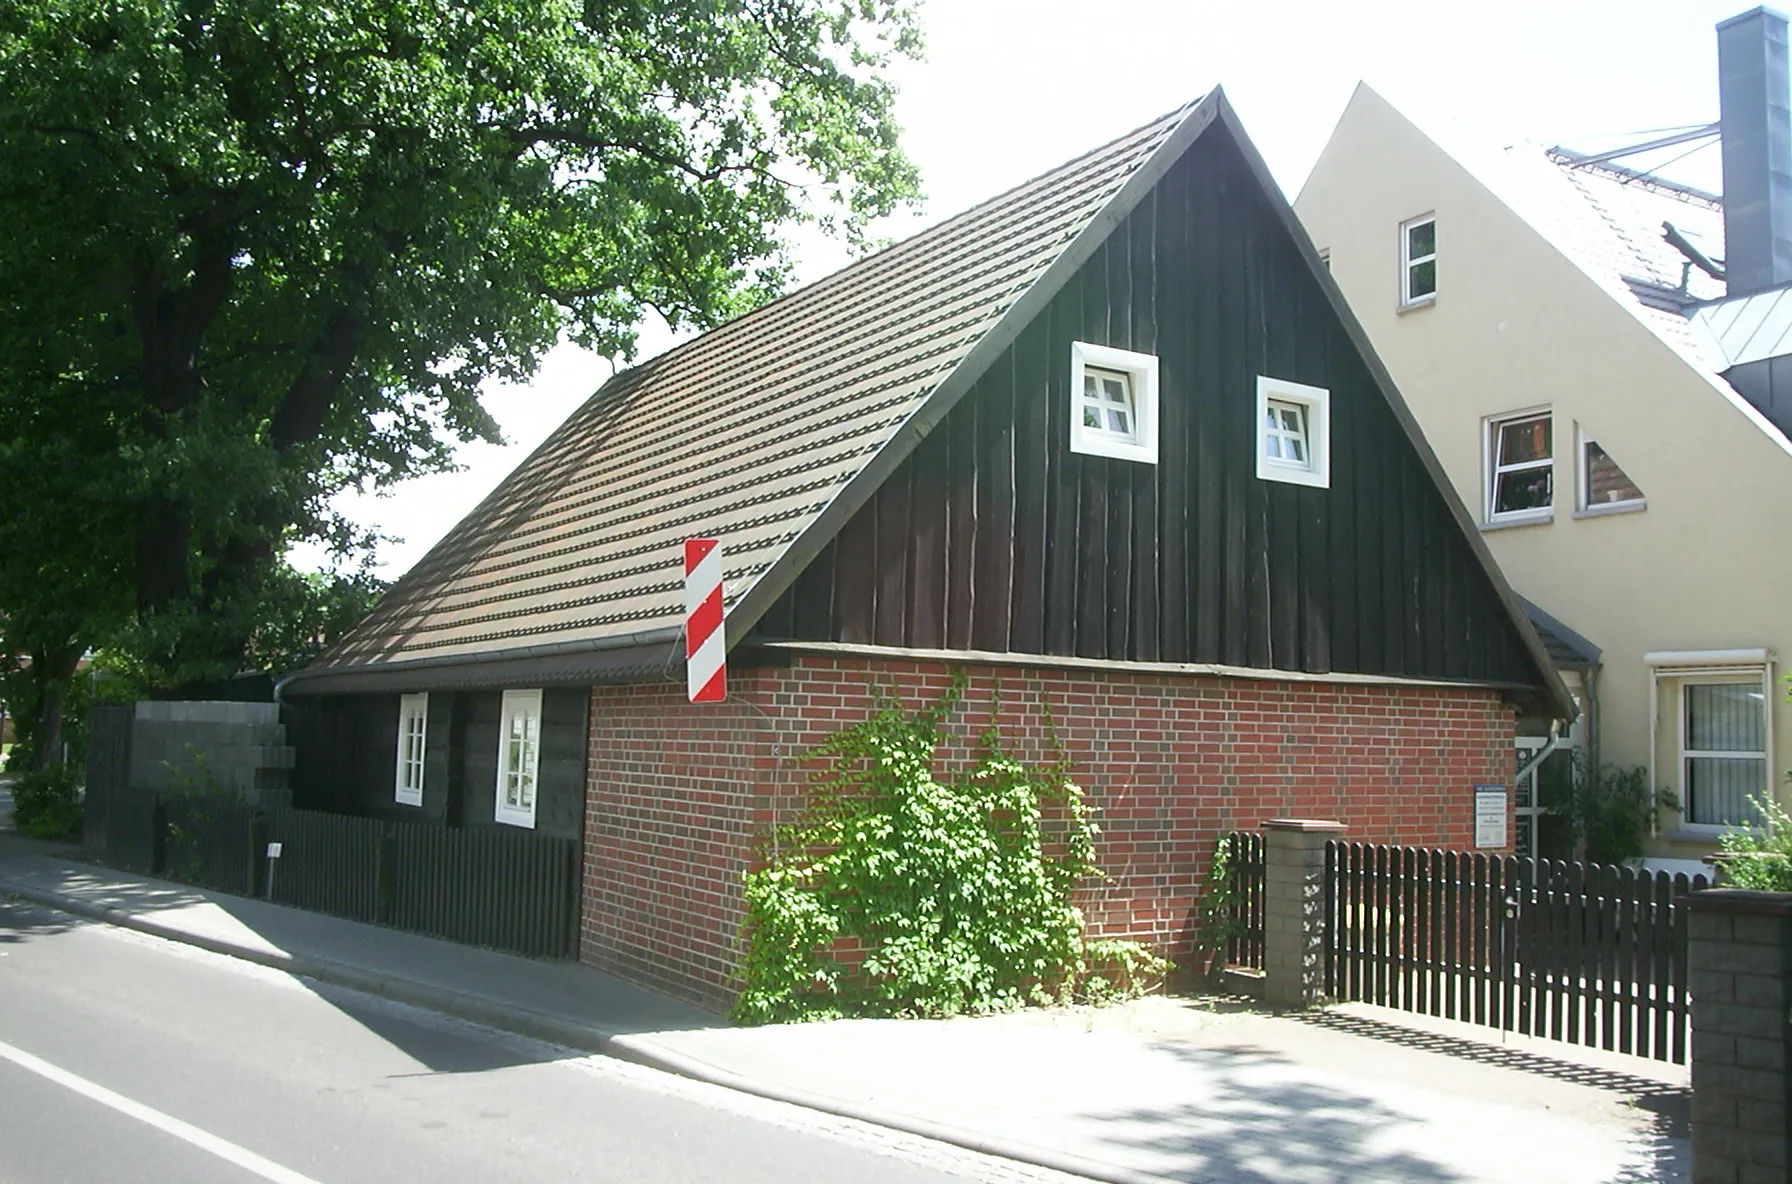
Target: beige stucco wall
1708 564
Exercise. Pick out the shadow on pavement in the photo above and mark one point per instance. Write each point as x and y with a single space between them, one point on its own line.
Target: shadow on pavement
1575 1073
407 967
1246 1129
21 920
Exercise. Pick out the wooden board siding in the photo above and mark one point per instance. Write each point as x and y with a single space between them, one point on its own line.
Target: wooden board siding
992 535
345 747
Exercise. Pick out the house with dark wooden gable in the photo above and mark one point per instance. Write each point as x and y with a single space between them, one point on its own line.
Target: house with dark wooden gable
1110 445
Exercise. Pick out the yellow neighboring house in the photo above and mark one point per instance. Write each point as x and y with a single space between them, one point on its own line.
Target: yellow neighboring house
1611 392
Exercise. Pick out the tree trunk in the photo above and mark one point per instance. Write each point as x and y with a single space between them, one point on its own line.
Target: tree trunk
51 674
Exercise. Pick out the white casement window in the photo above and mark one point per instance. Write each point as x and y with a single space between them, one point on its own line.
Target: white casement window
1113 403
1520 467
1714 710
1293 432
1418 261
413 729
519 757
1604 488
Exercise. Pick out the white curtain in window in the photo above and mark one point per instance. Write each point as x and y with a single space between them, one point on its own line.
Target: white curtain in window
1726 751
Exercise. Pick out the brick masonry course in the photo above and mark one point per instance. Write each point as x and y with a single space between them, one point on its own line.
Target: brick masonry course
678 796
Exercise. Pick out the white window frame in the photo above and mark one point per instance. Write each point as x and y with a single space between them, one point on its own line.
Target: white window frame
1142 369
413 743
1584 505
525 704
1490 442
1679 669
1408 261
1316 402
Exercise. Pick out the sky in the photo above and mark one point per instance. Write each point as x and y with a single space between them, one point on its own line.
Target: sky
1011 88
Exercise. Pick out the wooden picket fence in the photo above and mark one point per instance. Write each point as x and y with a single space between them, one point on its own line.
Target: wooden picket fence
1581 953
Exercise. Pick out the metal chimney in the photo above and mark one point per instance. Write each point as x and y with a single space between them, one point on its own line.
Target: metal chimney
1757 145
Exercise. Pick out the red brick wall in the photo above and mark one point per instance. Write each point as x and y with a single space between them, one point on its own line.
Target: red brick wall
677 794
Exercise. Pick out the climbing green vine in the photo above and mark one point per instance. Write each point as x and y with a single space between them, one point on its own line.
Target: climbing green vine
898 892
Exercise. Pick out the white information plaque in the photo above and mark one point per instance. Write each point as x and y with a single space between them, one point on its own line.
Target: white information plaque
1490 816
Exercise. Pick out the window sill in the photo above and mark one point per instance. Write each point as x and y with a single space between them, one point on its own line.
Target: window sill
1527 520
1415 305
1607 511
1703 832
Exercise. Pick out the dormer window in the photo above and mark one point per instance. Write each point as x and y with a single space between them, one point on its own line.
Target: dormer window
1113 403
1293 432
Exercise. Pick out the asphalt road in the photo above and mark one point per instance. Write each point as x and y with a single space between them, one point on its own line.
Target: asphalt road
125 1058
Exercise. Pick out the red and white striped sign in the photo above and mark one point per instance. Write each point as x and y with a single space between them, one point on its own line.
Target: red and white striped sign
705 651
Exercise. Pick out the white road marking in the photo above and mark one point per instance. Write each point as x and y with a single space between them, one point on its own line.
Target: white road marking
222 1148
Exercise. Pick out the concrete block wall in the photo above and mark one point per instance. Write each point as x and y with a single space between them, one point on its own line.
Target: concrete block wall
1739 967
677 795
240 747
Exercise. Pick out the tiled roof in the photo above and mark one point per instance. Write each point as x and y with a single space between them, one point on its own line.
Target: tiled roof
1611 222
1566 648
748 432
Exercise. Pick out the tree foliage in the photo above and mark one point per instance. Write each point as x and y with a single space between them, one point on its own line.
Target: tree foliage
259 251
956 894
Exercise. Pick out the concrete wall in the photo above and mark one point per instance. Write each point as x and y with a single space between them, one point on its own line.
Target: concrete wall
678 794
1515 325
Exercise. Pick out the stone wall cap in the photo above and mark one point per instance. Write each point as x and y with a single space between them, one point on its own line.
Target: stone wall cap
1741 900
1309 824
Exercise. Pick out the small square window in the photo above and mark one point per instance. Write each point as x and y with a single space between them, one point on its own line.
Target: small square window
413 726
1293 432
1418 261
1603 485
519 757
1520 468
1113 405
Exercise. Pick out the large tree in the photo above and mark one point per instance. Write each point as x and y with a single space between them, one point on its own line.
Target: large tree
255 251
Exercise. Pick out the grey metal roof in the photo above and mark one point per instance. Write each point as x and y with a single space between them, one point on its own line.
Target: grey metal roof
747 433
1750 328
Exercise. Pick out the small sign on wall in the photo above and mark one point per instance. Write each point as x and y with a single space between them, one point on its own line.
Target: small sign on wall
1490 816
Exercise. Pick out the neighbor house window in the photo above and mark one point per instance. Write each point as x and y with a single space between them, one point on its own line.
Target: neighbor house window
1293 432
1723 751
1418 261
519 756
1714 723
1520 468
1113 402
413 726
1603 485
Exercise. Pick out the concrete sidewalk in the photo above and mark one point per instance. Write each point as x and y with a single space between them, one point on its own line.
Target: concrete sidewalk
1161 1089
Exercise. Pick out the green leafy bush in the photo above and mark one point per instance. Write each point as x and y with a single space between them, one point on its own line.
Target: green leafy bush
1761 860
47 803
1607 813
900 894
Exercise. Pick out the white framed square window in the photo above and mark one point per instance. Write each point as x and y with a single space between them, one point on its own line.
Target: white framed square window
1113 402
519 757
1713 720
1520 465
1418 261
1293 432
1604 487
413 731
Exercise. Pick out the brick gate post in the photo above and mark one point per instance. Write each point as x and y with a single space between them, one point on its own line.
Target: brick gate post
1739 974
1294 910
